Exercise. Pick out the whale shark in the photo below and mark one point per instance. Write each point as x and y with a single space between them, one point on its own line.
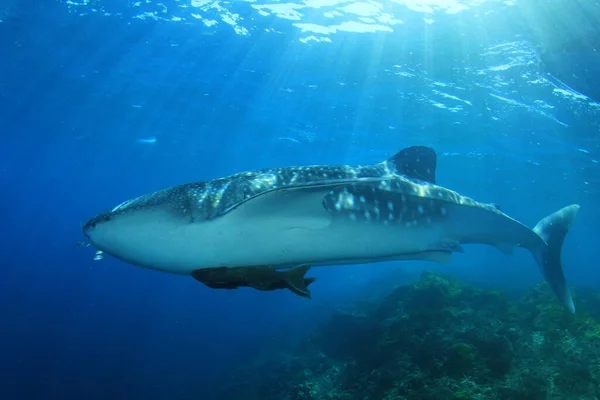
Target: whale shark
284 218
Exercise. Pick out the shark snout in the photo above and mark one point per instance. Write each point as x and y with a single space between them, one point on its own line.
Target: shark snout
89 226
86 229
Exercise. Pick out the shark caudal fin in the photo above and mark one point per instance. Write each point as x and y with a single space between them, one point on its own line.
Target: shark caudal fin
553 230
296 281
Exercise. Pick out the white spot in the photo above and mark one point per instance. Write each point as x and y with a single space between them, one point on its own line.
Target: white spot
443 210
264 180
324 175
420 209
390 206
367 216
376 210
391 217
349 201
338 206
362 199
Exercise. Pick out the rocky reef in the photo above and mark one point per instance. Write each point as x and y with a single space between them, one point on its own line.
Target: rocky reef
439 339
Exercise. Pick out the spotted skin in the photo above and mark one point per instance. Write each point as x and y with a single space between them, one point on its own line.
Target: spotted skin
370 193
385 203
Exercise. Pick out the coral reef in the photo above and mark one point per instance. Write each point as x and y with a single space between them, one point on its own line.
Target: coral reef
440 339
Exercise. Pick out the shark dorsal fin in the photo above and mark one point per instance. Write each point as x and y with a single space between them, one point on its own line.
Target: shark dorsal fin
417 162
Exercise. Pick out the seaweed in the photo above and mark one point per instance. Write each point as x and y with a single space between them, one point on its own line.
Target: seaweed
441 339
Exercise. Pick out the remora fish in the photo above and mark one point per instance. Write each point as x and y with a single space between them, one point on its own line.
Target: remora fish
320 215
261 278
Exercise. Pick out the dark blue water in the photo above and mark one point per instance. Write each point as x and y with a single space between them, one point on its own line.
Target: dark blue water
98 106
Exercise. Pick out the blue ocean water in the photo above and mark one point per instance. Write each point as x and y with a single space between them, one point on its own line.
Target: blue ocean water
105 100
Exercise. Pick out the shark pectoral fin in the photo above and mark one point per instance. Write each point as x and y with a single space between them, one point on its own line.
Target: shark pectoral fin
439 256
506 249
449 245
496 206
296 281
289 208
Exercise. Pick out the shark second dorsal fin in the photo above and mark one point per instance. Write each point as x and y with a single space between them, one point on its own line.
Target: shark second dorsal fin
417 162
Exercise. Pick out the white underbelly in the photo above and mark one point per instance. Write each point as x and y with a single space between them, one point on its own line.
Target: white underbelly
236 243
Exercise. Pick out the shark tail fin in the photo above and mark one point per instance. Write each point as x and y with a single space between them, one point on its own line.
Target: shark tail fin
308 281
553 230
296 281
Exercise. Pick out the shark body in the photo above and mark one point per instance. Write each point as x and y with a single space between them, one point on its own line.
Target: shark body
318 215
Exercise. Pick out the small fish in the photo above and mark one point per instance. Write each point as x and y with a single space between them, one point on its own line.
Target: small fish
261 278
99 255
148 140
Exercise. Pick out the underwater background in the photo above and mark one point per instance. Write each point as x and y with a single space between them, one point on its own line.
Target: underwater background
102 101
